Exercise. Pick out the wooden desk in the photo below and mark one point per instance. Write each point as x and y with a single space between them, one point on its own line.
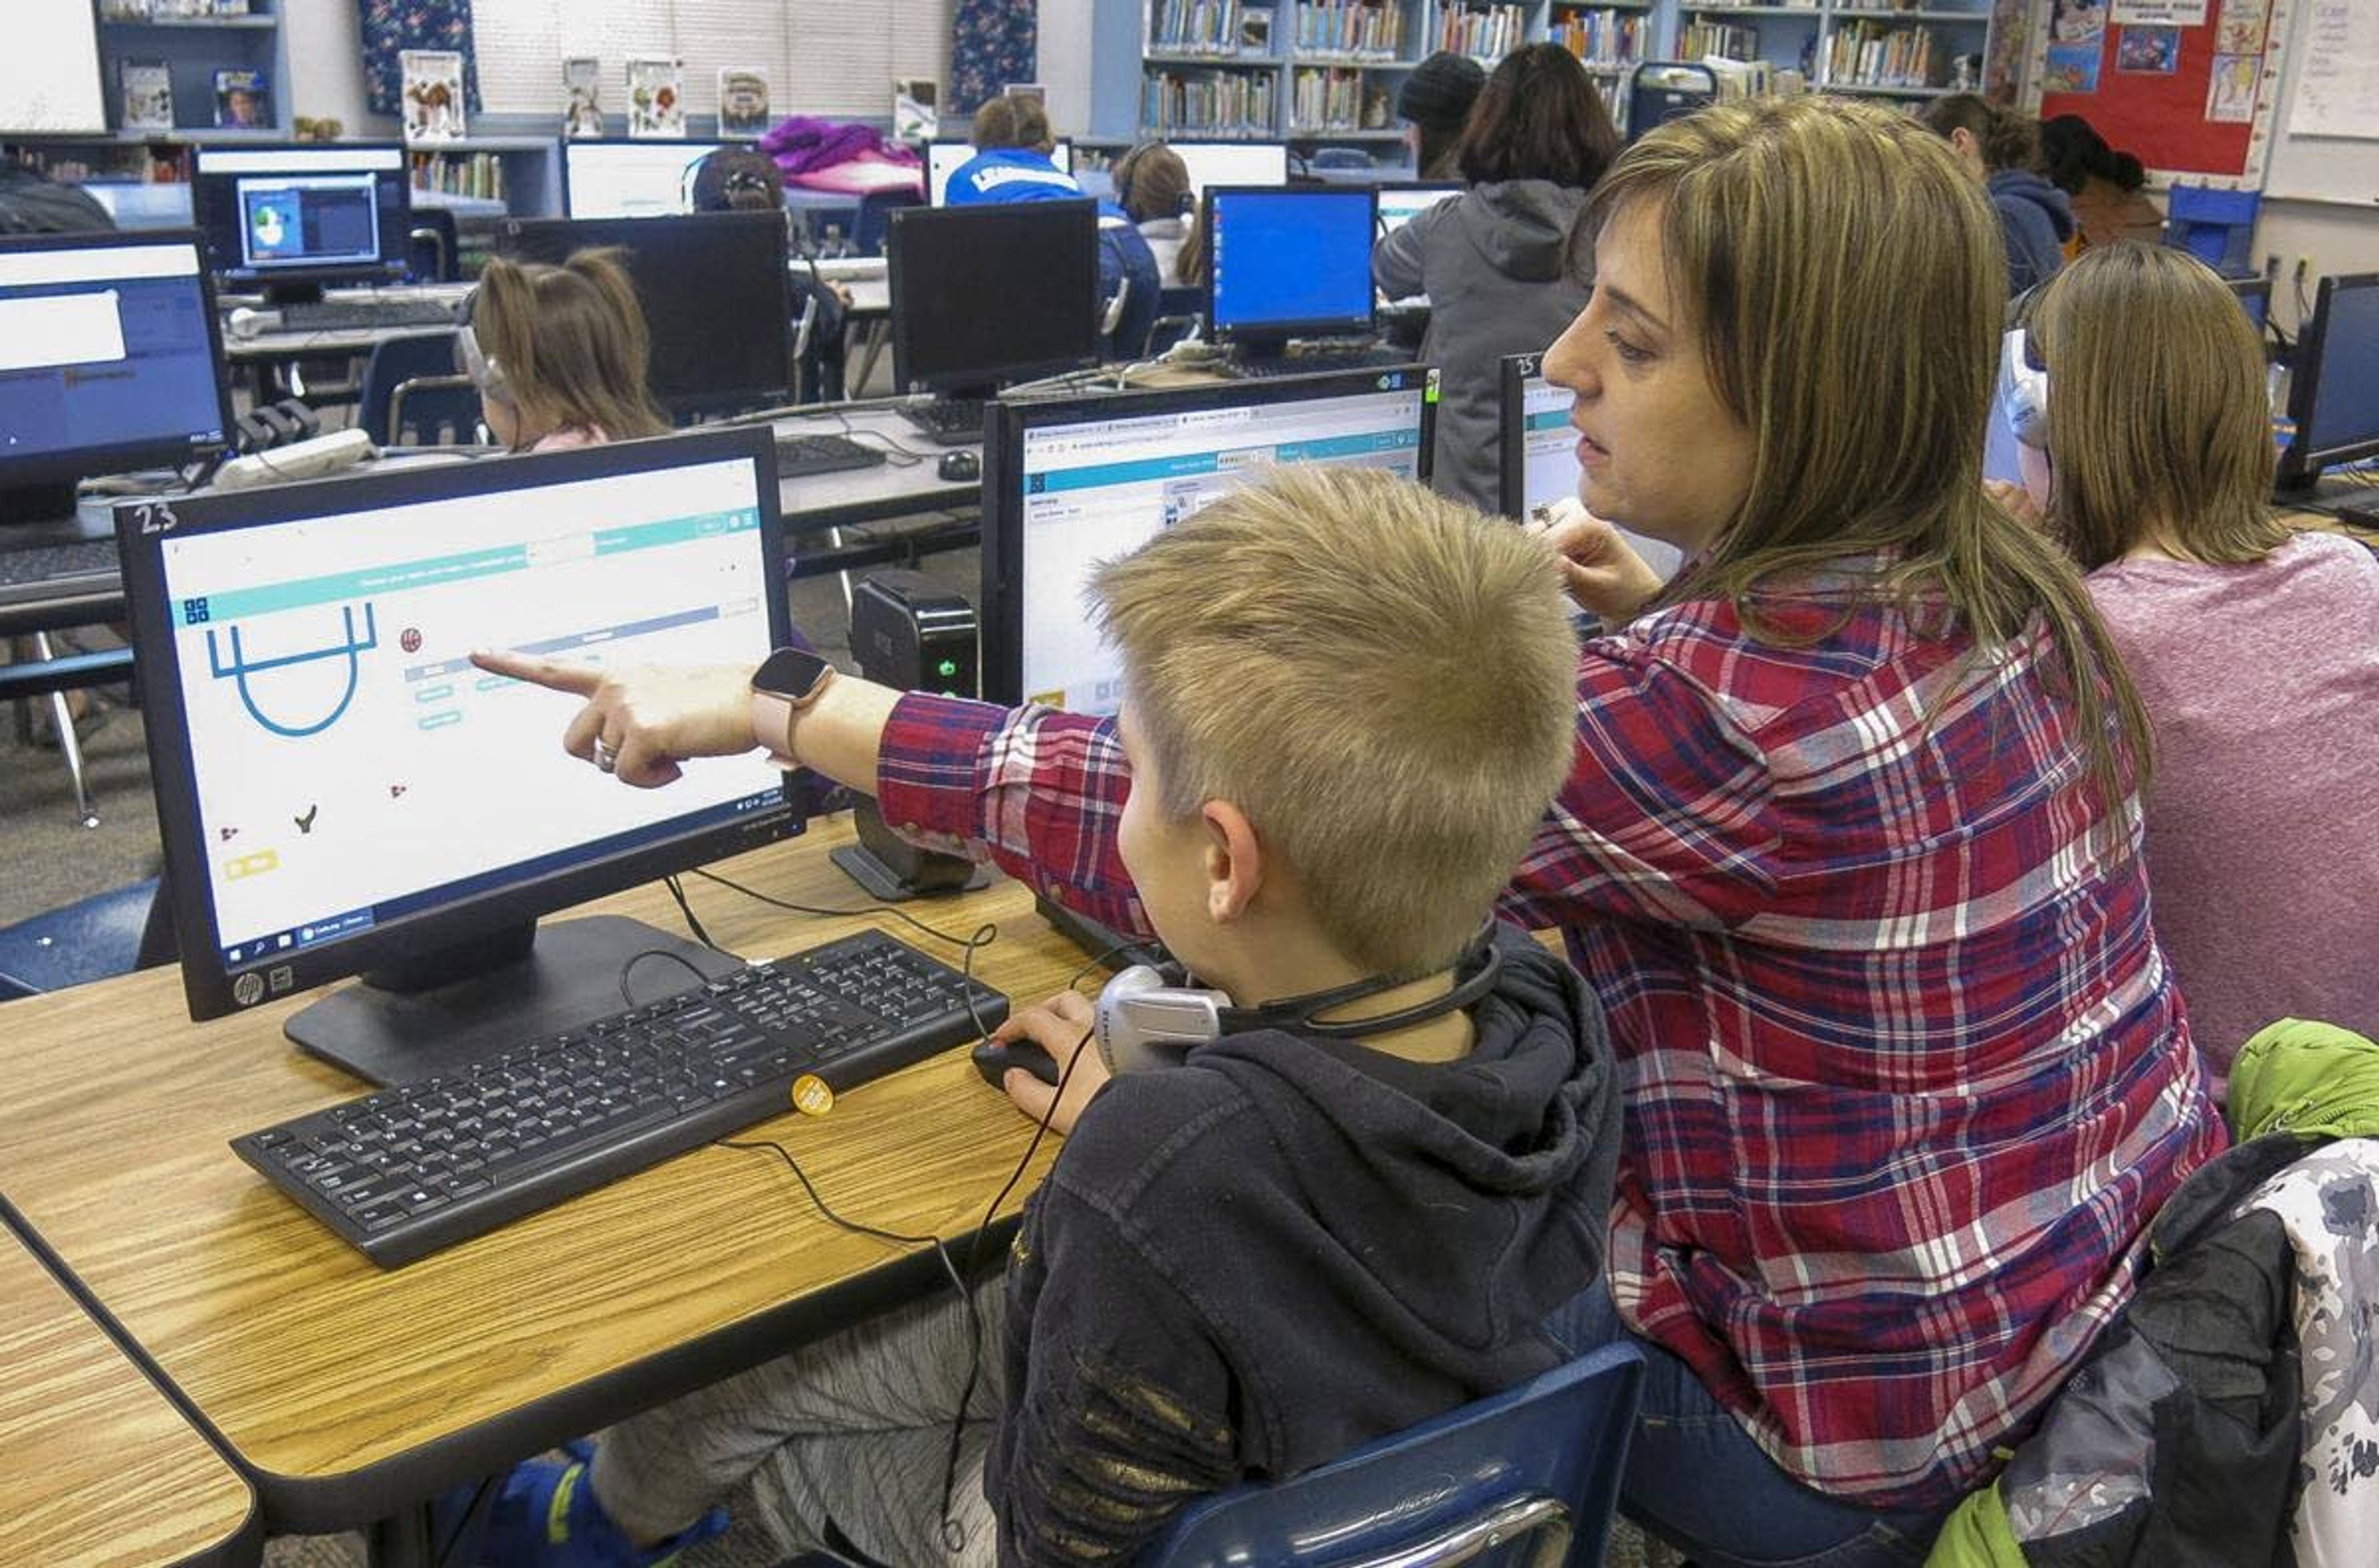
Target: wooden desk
347 1393
96 1467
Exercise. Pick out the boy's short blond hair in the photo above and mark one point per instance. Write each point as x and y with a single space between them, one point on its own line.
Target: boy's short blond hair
1383 682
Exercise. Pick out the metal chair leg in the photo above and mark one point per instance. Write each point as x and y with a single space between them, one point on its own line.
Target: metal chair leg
69 743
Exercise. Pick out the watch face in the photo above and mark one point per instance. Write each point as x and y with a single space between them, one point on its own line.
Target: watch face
791 673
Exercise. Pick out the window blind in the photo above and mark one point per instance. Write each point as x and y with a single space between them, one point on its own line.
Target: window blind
832 57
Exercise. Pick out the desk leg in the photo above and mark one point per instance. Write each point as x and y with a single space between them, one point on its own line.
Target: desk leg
854 387
70 745
402 1540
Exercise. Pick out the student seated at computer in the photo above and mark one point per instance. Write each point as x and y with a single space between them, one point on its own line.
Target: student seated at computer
1152 186
1435 104
2255 649
1998 145
1312 1230
1012 164
743 179
1493 260
1848 848
559 354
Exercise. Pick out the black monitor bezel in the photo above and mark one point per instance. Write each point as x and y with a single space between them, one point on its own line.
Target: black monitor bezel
2300 464
1007 421
1273 333
396 263
907 322
208 983
569 202
1512 467
83 463
700 397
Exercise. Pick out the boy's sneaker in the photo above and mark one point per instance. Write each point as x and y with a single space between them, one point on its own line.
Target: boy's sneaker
546 1515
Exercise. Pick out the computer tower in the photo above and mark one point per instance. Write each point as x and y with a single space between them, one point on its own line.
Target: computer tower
910 632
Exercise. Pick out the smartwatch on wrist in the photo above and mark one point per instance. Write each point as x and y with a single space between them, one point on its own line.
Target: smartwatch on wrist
787 681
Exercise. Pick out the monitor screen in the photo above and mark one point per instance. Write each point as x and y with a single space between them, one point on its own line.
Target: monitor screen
338 785
292 217
2254 298
1540 455
1399 205
1233 163
960 322
1070 482
1282 264
49 73
717 299
943 159
109 357
630 179
2334 390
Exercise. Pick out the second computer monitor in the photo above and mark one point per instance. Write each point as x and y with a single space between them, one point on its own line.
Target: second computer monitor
1070 482
630 179
993 292
1233 163
291 219
717 298
1289 263
2334 390
1539 465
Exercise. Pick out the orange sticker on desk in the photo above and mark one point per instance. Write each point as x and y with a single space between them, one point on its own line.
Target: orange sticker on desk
811 1095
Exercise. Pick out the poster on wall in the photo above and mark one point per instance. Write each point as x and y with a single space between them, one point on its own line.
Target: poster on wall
2230 92
2154 49
2159 13
2238 29
2072 67
433 95
657 97
2077 21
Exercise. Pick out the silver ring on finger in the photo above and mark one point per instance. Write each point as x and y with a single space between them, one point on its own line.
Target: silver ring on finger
606 757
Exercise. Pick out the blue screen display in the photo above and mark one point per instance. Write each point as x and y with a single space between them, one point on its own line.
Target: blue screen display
1291 259
2346 391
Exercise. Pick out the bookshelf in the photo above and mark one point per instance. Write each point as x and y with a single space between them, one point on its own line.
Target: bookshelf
522 172
192 48
1858 47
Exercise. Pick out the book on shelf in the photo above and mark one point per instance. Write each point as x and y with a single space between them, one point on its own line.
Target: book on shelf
742 104
433 93
124 10
460 173
1600 37
231 8
1367 28
657 97
582 96
148 91
242 99
1221 103
1195 27
915 113
1486 33
1255 29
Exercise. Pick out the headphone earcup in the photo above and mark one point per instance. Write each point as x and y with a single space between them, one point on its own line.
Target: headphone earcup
2023 390
1143 1023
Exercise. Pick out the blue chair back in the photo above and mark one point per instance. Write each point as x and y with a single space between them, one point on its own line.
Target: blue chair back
93 939
874 219
2216 226
437 408
434 246
1530 1475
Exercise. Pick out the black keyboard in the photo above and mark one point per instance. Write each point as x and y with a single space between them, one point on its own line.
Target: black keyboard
403 1172
947 423
340 315
54 563
800 455
1318 363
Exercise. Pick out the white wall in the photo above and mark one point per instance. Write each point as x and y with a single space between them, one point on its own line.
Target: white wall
326 64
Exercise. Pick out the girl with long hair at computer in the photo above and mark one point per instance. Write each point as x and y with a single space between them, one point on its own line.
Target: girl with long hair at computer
2255 647
1491 260
1849 847
559 354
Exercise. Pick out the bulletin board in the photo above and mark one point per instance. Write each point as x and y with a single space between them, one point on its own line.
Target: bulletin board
2187 86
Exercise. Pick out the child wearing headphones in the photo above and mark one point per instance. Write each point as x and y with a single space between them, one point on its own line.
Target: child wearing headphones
2141 398
1152 184
744 179
559 354
1378 1163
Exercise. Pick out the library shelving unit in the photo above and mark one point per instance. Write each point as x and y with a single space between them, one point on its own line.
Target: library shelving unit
520 169
1873 47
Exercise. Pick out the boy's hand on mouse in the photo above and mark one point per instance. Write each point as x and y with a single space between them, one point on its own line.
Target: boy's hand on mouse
1604 575
1061 1026
648 718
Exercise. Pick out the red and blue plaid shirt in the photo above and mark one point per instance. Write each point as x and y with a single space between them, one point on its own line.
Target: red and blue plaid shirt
1905 1072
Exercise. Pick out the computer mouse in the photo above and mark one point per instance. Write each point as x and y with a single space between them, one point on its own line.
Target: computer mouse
992 1058
960 468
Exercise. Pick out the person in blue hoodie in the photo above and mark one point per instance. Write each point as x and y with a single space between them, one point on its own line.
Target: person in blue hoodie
1997 145
1359 1203
1012 164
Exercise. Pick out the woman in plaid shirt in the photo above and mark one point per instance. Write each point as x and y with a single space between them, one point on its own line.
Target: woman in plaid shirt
1851 851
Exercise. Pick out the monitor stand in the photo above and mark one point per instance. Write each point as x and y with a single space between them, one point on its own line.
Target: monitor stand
445 1010
1102 942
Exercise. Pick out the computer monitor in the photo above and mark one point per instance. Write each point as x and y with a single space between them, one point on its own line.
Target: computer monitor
1289 263
342 792
1069 482
1399 204
630 179
1539 465
290 218
109 359
1233 163
2255 298
943 159
717 299
993 292
2334 389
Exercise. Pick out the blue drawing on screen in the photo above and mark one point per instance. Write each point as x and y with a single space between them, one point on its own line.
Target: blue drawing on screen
240 669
